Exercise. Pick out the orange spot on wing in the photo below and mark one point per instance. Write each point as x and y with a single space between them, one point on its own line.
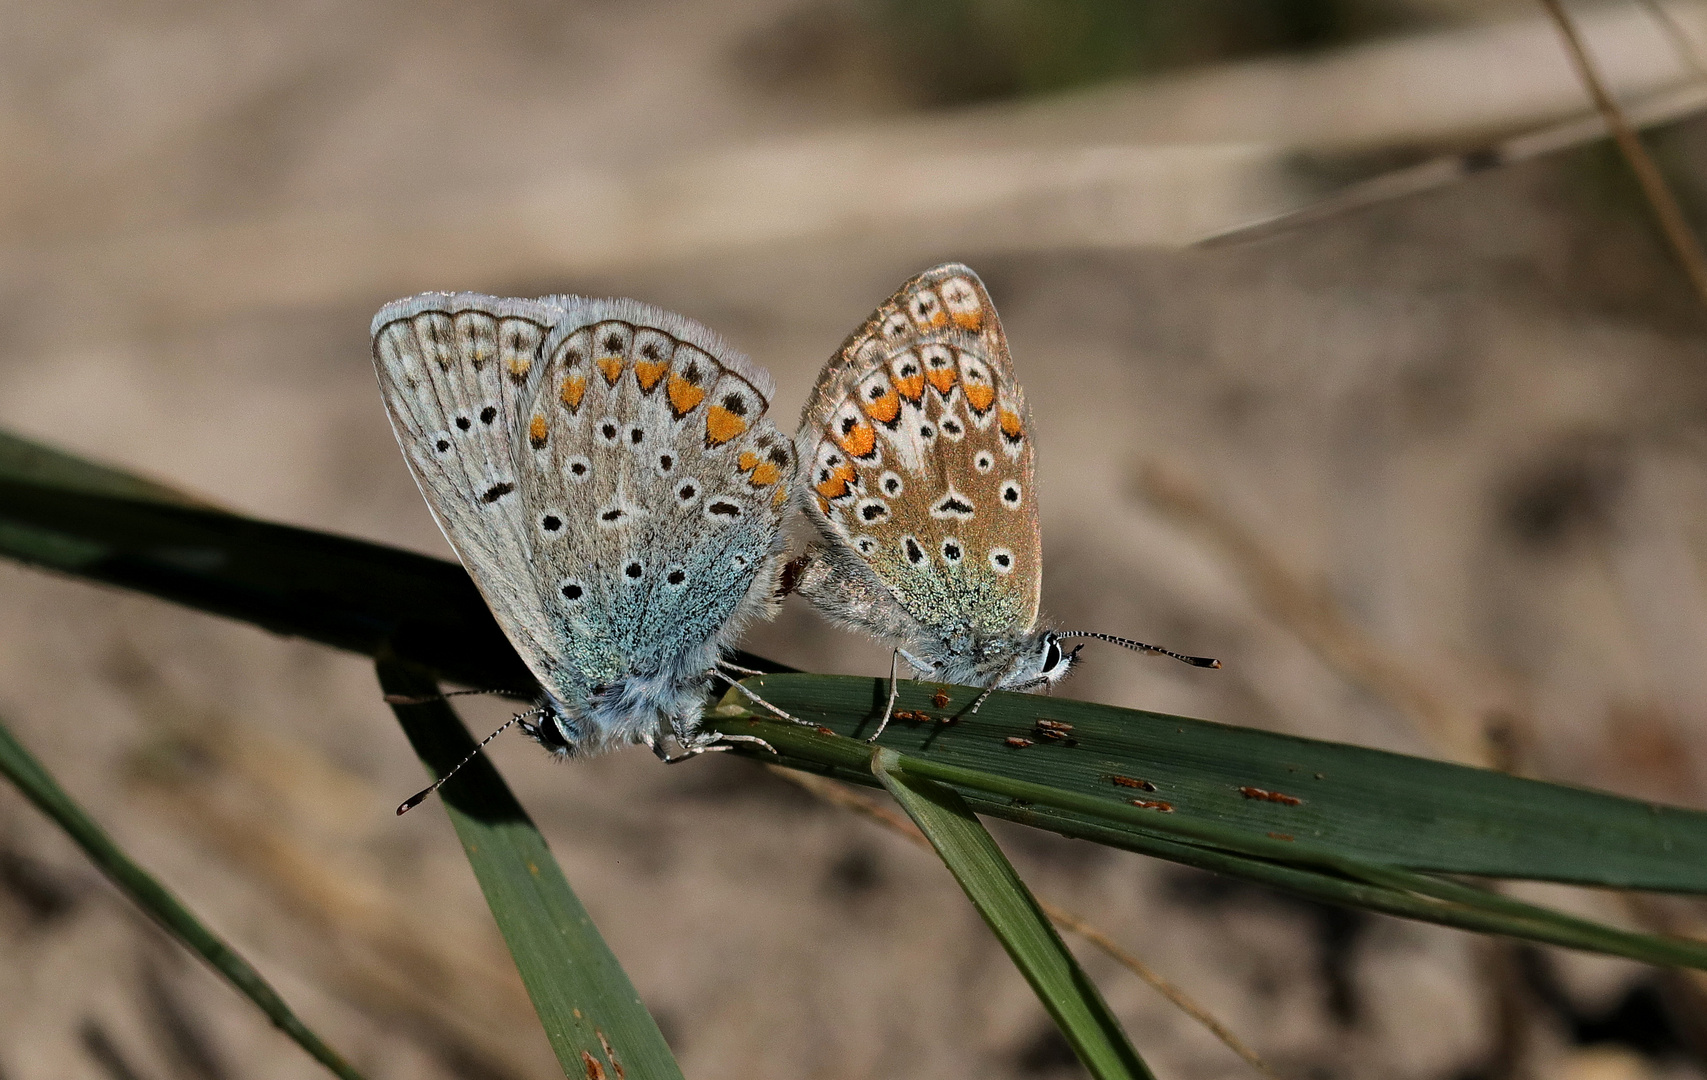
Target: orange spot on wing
841 479
684 395
780 497
721 425
912 387
519 365
942 378
611 366
885 409
938 318
1011 425
766 475
859 442
747 460
979 395
536 431
648 373
969 320
573 388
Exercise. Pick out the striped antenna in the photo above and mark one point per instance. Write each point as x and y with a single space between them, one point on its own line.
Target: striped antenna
421 796
1139 646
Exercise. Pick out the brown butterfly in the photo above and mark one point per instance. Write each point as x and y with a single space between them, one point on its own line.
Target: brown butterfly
922 484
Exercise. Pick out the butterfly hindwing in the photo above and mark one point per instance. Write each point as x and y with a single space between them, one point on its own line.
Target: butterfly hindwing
657 484
918 450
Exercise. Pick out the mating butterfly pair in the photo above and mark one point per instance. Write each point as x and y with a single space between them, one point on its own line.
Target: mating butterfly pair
606 473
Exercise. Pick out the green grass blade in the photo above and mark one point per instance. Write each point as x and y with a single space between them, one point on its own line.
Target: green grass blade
593 1017
21 767
21 459
1011 911
1378 807
1286 863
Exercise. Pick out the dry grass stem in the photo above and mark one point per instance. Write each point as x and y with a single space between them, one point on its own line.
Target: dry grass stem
1654 187
836 794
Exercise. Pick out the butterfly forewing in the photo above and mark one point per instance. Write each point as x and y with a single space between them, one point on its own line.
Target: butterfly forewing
918 452
453 369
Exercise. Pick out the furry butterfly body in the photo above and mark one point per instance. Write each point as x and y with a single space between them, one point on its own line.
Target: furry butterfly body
605 472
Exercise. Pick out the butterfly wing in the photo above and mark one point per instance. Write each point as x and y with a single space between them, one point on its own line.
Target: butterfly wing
656 490
454 369
918 447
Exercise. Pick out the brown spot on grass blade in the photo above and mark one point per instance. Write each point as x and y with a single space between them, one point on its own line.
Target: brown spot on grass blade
595 1071
1018 742
1153 804
610 1054
1281 836
1271 796
1132 782
1055 731
940 698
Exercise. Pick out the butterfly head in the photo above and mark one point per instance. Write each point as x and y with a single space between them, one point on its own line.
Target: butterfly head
549 727
1041 662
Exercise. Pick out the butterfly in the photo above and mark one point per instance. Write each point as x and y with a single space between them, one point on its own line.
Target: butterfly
605 472
922 484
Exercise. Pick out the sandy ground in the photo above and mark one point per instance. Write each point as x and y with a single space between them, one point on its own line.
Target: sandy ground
1472 420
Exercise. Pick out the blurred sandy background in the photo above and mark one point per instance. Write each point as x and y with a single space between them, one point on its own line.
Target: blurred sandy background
1426 476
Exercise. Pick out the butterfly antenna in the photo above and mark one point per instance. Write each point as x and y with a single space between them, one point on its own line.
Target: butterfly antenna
427 699
421 796
1139 646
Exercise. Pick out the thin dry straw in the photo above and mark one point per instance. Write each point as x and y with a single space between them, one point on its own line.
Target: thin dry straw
1652 182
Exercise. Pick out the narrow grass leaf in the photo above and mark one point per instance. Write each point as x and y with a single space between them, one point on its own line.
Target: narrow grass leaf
1305 868
1011 911
23 770
1383 808
597 1025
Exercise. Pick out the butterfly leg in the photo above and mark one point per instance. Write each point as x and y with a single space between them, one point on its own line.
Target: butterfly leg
889 708
705 742
754 697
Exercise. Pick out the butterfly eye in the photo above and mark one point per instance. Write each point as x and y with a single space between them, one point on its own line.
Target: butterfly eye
1051 655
